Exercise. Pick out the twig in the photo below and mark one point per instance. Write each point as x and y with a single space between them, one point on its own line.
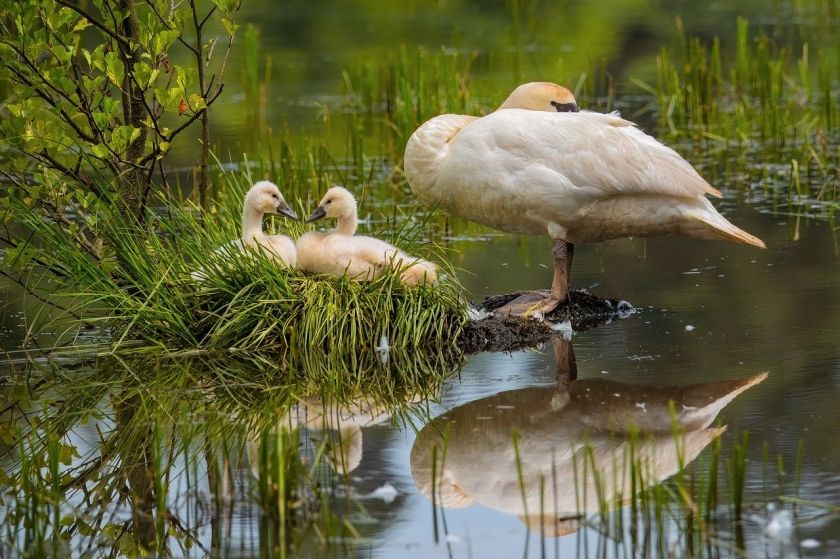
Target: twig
96 23
39 297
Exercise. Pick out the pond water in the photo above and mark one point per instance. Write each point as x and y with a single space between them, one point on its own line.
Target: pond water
707 312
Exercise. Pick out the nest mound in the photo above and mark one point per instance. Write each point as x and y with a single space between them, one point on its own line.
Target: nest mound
496 332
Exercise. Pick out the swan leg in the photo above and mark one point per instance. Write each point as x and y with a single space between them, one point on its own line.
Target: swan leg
533 303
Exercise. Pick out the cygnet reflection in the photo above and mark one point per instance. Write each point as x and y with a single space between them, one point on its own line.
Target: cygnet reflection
560 435
342 422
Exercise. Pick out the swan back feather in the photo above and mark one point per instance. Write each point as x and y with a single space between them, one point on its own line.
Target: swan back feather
538 166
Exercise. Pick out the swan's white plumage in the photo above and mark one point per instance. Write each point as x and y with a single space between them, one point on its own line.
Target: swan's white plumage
264 197
575 176
342 252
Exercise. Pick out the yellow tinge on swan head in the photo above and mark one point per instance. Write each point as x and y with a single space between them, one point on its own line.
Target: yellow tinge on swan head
336 203
541 96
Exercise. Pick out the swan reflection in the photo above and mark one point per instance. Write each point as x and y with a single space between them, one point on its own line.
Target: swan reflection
550 455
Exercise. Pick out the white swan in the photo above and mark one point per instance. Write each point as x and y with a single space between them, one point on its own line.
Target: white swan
264 197
539 166
341 252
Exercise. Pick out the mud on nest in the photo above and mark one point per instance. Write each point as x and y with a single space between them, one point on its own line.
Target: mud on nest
499 332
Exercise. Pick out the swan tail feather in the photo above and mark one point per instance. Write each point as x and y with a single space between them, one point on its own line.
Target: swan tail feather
719 228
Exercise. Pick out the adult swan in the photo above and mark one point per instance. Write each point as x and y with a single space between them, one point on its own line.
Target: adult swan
539 166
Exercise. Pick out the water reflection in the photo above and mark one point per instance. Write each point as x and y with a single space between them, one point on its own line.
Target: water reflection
147 455
336 427
550 455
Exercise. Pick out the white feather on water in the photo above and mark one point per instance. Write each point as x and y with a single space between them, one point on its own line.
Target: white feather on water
564 329
475 314
385 492
383 349
780 524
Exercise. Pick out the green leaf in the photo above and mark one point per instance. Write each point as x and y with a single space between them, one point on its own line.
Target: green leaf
163 40
66 454
122 136
197 102
230 26
100 150
81 25
114 68
168 97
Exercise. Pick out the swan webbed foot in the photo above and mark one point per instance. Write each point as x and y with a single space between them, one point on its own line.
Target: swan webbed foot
540 303
532 304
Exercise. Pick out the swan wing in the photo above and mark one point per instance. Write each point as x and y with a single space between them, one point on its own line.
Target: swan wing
598 154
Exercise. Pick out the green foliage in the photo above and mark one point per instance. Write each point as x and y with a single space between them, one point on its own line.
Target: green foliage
99 94
186 286
772 96
409 88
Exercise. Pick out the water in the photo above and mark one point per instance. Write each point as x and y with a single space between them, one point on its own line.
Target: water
708 311
751 312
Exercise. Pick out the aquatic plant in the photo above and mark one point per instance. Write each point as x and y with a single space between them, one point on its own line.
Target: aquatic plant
769 106
773 97
183 285
175 435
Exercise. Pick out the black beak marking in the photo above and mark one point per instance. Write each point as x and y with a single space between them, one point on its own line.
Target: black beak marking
284 210
317 214
565 107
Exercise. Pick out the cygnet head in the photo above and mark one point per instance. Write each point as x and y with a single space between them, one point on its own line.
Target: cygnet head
541 96
337 203
264 197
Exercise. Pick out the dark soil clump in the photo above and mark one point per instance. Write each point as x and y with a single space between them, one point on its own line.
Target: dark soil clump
509 333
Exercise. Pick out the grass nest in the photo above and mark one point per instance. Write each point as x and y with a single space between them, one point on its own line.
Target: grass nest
176 282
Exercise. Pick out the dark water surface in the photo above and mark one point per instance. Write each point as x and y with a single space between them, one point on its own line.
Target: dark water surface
707 312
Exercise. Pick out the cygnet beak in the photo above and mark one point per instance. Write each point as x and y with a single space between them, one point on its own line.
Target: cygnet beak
284 209
317 214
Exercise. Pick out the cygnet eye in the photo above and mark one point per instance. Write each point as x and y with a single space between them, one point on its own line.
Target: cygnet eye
274 196
328 202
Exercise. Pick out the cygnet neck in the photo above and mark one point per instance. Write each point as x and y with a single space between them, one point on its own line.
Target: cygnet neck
347 224
251 223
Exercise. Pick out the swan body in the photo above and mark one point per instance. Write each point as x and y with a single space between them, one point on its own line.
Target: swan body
341 252
539 166
264 197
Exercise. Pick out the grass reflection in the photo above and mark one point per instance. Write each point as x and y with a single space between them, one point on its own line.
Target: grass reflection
171 455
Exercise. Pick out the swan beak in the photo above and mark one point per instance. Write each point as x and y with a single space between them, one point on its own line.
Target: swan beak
317 214
284 209
565 107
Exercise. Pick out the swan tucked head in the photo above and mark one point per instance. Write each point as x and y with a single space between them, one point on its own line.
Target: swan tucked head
264 197
337 203
541 96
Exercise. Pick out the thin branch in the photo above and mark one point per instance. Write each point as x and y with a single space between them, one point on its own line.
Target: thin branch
210 13
25 80
39 297
59 219
162 19
69 172
96 23
225 59
195 116
149 110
